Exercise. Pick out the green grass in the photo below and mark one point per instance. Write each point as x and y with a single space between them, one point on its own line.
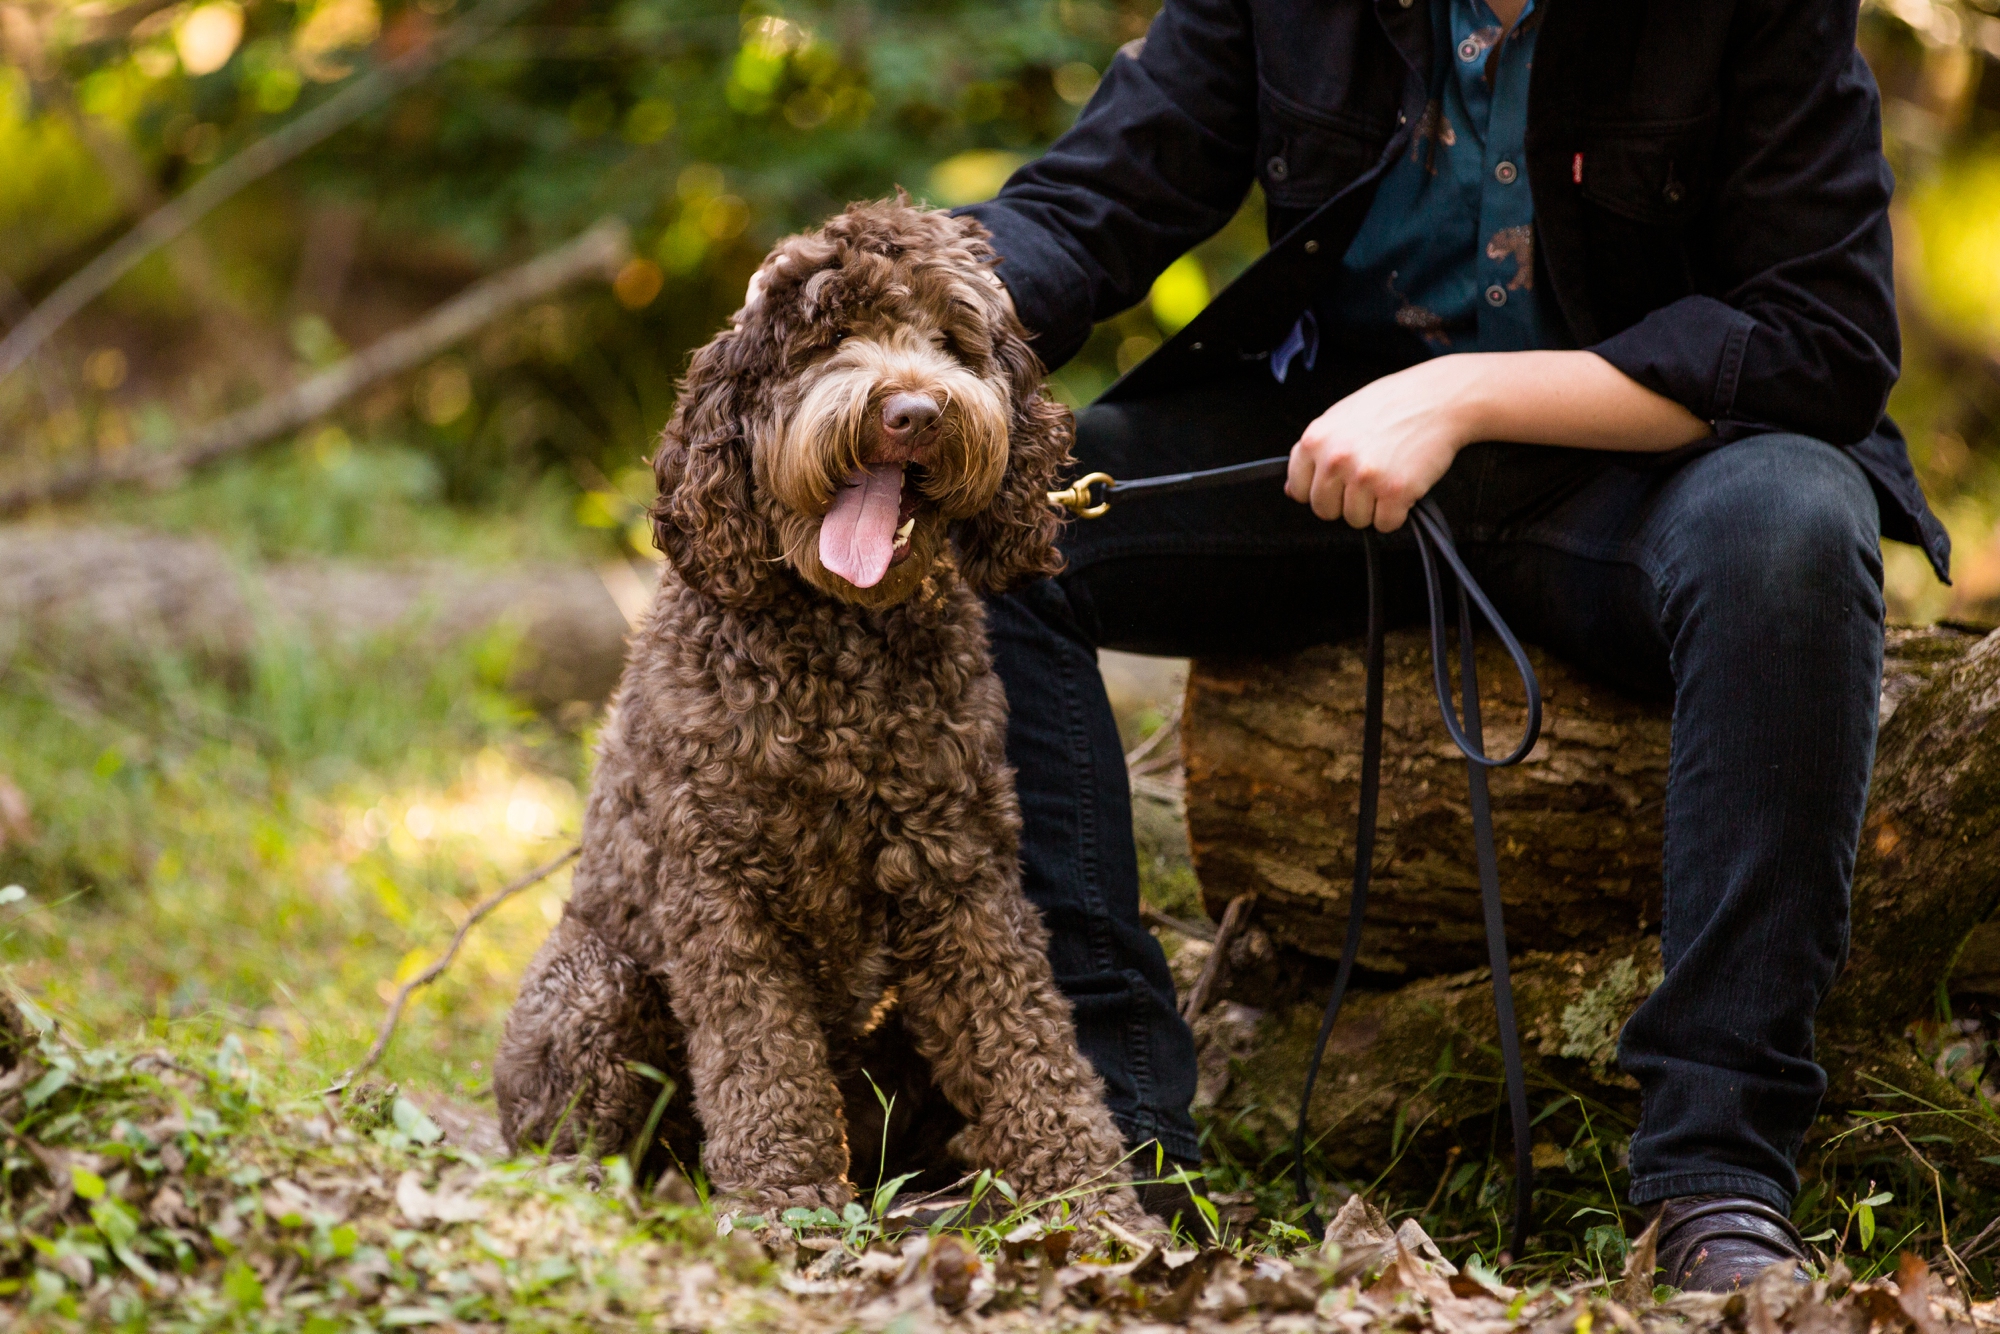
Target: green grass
185 1187
327 495
268 857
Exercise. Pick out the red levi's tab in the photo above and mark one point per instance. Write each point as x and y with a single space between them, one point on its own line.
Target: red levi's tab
1576 170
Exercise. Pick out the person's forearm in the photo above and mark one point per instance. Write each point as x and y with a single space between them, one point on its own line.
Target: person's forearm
1373 454
1566 398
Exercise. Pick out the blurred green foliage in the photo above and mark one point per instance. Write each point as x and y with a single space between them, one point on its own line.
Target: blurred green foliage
1935 60
712 129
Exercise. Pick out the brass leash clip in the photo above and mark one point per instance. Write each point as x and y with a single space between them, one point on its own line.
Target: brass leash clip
1078 499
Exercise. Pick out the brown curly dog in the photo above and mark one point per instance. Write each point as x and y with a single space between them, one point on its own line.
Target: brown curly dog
799 854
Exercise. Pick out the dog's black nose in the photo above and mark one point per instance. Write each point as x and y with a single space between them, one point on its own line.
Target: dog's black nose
907 416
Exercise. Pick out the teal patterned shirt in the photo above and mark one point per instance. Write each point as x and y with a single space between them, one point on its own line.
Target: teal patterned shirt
1446 253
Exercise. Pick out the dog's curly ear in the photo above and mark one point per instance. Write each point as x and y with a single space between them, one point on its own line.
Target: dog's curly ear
1013 540
705 520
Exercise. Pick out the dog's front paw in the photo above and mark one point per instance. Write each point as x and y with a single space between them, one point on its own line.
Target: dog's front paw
772 1201
1119 1214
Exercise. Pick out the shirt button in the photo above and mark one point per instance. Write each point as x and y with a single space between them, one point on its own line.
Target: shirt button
1505 173
1496 295
1312 247
1276 169
1468 50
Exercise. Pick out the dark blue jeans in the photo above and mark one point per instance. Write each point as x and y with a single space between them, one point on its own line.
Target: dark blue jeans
1742 582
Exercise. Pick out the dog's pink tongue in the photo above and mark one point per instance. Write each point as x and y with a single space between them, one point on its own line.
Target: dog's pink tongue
858 535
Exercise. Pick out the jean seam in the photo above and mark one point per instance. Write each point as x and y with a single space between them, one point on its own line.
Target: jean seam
1088 861
1138 1050
1656 575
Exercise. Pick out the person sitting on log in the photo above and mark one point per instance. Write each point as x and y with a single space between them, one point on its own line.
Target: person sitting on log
1613 284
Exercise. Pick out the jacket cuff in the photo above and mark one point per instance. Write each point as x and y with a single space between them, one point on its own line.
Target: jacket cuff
1044 281
1690 350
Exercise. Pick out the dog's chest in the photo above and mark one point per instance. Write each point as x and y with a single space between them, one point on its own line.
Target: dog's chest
827 762
867 723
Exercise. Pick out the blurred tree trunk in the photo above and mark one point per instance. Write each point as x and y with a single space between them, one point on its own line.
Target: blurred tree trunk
1272 751
96 599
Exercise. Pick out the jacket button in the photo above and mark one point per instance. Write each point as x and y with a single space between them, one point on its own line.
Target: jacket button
1496 295
1312 247
1405 3
1505 172
1276 169
1673 192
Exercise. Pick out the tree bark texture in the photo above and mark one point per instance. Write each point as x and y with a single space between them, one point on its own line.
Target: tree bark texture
1273 754
1273 761
95 599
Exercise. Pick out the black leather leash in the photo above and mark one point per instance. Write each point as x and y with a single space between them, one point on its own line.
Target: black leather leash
1093 495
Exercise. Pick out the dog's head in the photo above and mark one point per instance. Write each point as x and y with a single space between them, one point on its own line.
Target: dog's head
874 401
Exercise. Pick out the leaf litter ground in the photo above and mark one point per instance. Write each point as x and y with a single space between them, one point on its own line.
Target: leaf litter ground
143 1188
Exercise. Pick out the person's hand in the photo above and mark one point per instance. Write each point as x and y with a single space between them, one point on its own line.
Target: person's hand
1375 453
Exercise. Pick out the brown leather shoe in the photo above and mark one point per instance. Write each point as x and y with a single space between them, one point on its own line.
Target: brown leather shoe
1718 1243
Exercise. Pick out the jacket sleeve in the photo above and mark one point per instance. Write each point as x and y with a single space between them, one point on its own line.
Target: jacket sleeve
1159 160
1802 333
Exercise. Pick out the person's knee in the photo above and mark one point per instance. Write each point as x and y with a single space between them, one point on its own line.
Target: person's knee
1776 521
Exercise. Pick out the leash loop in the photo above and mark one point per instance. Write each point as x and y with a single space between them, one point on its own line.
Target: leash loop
1434 543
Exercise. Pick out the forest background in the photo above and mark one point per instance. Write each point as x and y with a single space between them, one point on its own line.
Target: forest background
258 849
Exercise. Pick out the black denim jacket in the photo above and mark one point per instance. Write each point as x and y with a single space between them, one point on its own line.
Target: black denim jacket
1711 200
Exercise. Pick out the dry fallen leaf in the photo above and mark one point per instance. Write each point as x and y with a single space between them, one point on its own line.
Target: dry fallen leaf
421 1206
1913 1294
1412 1237
1635 1287
953 1266
1277 1285
1358 1223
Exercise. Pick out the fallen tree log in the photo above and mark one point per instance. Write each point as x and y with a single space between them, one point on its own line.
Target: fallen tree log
93 599
1272 753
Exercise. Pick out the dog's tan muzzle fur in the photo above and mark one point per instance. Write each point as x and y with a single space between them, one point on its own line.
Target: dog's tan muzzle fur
894 414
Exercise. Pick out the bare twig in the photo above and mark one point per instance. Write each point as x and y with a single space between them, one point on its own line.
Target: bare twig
1194 930
1233 919
1978 1245
1944 1232
252 164
431 974
1167 731
598 251
48 373
1153 766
